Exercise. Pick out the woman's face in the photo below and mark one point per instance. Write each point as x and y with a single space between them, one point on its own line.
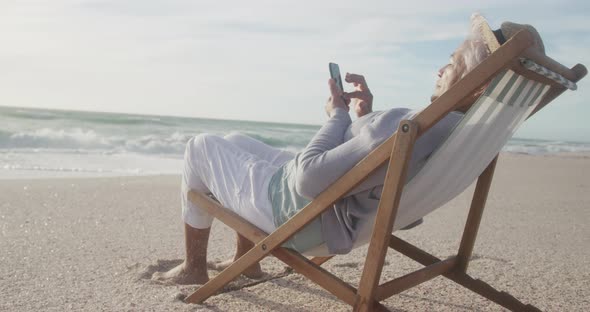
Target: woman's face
450 73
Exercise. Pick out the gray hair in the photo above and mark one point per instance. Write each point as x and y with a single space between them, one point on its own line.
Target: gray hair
474 49
467 56
474 52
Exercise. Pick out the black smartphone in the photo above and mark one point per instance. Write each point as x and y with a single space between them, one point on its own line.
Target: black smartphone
335 74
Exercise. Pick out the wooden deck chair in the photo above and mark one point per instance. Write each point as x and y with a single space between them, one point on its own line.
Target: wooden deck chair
520 82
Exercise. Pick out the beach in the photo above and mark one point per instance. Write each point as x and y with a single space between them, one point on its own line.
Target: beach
92 243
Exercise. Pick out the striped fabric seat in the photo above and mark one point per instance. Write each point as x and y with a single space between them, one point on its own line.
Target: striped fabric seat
471 146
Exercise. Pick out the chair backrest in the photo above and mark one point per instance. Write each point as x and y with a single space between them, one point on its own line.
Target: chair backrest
472 145
486 127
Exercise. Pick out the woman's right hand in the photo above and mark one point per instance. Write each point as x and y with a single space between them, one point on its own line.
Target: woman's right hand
336 99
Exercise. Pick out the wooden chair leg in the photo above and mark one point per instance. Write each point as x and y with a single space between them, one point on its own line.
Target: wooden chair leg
475 213
386 213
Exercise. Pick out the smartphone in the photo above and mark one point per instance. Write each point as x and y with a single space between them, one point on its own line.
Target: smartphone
335 74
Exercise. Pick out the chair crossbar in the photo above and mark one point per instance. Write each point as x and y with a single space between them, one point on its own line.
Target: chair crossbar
317 274
412 251
415 278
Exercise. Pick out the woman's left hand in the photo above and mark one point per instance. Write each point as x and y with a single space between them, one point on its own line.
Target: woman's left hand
364 98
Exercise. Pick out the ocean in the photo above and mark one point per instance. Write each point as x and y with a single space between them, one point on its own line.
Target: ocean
60 143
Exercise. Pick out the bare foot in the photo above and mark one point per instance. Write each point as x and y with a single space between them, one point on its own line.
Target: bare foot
253 272
181 275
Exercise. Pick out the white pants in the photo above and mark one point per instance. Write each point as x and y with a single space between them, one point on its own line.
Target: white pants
236 169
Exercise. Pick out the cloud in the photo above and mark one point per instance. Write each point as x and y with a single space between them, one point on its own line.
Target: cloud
257 60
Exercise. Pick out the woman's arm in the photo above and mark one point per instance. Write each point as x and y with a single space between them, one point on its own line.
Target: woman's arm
327 156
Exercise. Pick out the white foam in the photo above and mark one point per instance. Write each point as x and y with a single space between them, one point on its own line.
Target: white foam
29 165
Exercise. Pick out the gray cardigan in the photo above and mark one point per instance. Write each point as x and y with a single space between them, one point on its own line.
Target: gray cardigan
335 149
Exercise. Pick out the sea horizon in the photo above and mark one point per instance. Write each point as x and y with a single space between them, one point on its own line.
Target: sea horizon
155 115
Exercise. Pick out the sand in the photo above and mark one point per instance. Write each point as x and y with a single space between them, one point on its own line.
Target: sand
92 243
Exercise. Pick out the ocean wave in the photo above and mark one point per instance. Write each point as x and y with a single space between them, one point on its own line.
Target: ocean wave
78 139
544 147
53 138
153 144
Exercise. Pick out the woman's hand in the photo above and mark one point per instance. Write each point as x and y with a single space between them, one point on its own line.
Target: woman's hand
363 96
336 99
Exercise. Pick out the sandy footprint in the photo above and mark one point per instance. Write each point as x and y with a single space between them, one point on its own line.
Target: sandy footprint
145 272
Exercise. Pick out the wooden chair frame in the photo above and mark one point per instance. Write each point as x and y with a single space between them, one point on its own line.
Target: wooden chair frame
397 149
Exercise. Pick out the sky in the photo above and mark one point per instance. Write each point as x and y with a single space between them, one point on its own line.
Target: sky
262 60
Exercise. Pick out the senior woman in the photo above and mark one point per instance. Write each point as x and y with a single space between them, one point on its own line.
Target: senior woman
267 186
